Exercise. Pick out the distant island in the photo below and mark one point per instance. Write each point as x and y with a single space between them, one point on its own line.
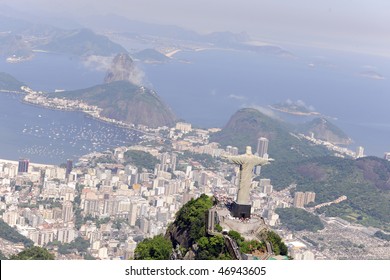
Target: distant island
293 108
151 56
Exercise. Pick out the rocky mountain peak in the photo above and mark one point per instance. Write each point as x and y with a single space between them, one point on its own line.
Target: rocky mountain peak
123 68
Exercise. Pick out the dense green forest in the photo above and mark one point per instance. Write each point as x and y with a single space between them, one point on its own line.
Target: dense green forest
79 244
141 159
189 227
33 253
365 182
12 235
2 257
204 159
191 218
156 248
382 235
296 219
248 124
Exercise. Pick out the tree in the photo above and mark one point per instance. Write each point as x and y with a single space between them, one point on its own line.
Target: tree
141 159
156 248
33 253
299 219
12 235
248 247
2 257
278 245
191 217
210 247
236 236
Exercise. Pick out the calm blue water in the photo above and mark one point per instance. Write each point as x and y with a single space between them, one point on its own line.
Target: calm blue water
52 136
216 83
48 72
206 91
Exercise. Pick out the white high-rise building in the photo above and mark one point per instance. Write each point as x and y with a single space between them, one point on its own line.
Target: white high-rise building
261 151
133 213
299 199
66 235
184 127
360 152
262 146
67 211
309 197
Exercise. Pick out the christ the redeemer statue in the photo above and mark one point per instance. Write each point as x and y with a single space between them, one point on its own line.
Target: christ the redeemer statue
246 162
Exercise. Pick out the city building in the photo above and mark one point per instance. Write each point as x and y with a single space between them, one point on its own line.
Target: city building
262 147
303 198
69 167
67 211
184 127
359 152
261 151
66 235
299 199
309 197
23 165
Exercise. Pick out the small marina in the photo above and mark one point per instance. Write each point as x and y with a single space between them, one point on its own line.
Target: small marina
52 136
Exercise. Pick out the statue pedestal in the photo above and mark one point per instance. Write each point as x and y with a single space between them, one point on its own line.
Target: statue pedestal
241 210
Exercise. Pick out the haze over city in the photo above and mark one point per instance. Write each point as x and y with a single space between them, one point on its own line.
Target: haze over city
358 26
194 130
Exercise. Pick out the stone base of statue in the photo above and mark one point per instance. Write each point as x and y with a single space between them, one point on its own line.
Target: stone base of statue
241 210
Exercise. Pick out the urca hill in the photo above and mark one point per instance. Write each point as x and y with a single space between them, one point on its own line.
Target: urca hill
248 124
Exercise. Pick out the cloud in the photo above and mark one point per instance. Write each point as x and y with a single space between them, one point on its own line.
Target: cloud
266 111
237 97
372 75
98 63
300 103
104 64
369 67
134 74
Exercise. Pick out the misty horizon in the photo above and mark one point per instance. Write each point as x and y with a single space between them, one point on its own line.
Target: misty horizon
362 27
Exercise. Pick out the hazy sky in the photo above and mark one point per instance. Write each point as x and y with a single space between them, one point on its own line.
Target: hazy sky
355 24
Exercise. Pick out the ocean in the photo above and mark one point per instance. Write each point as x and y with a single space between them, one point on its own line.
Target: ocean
51 136
214 84
205 88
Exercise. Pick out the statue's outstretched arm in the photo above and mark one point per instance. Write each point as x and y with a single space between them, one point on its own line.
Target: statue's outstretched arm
262 161
235 159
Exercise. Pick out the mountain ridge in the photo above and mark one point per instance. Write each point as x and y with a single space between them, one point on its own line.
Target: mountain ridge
8 82
124 101
324 130
364 181
248 124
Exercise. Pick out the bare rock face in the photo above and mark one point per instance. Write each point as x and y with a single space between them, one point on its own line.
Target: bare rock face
123 68
178 236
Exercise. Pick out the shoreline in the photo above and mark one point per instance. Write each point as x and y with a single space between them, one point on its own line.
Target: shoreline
15 162
295 113
172 53
129 128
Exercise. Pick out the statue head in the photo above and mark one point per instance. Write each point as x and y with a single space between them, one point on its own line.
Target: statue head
248 150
